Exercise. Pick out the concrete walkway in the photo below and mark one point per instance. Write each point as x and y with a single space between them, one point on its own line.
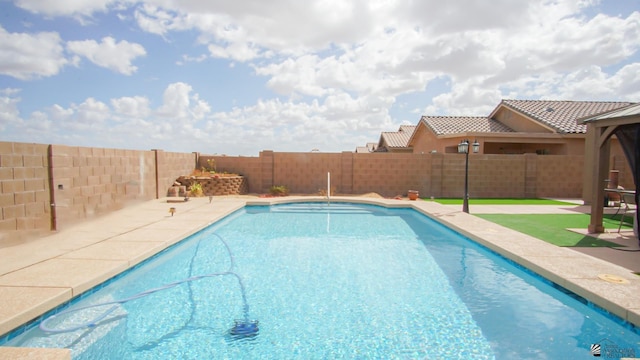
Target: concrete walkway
38 275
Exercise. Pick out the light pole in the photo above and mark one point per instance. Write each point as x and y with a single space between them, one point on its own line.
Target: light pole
463 147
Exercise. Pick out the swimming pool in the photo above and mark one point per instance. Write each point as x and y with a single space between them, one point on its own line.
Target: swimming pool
338 281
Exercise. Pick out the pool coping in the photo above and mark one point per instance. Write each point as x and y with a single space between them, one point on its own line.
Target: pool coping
93 252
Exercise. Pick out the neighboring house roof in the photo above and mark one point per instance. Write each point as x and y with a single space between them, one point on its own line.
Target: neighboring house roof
562 116
445 125
370 147
397 139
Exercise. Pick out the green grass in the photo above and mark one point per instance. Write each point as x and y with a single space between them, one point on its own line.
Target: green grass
552 228
503 202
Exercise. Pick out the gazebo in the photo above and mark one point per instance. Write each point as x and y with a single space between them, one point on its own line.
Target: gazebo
625 125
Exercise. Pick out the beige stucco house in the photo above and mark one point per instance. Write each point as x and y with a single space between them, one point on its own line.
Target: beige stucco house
543 127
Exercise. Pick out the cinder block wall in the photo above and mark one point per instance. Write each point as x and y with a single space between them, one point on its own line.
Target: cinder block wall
49 187
552 179
90 181
391 174
24 189
438 175
172 165
43 187
249 167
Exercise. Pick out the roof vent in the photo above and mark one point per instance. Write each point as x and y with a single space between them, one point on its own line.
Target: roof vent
550 109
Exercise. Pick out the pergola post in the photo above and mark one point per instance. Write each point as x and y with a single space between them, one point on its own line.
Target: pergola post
600 144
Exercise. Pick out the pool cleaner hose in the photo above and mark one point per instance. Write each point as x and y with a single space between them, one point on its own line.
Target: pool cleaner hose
242 328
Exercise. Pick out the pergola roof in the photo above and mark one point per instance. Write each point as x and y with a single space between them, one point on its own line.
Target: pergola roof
631 110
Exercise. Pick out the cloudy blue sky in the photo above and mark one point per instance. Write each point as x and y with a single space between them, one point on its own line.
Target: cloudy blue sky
237 77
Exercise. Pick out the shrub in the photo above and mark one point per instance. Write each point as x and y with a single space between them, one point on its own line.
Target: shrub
279 190
196 189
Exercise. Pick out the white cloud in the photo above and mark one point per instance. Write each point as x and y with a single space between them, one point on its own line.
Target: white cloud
64 8
179 104
9 113
339 123
135 107
592 82
59 113
114 56
236 51
28 56
90 114
187 59
331 71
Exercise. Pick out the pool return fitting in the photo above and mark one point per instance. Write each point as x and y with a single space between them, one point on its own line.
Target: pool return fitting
242 328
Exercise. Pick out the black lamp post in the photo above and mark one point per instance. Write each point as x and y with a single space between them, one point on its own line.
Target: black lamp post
463 148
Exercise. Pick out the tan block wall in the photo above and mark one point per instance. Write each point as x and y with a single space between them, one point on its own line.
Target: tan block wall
91 181
24 189
553 179
492 176
86 182
249 167
438 175
390 174
306 173
170 166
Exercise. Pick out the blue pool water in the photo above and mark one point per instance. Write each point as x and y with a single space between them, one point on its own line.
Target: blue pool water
333 281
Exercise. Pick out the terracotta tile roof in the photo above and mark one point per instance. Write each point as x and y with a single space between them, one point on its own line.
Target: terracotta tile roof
370 147
562 116
400 138
444 125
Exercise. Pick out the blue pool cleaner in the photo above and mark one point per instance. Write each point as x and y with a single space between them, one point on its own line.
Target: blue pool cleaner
243 328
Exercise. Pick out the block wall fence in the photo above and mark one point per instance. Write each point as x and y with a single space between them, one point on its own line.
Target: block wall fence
438 175
50 187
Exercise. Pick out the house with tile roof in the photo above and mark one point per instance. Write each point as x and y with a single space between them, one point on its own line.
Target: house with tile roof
544 127
370 147
397 141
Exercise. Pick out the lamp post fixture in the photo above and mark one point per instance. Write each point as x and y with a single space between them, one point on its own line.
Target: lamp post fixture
463 148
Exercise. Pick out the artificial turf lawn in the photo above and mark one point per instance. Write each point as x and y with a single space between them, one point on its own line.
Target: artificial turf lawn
503 202
552 228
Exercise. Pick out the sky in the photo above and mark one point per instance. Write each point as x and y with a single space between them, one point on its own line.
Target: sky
238 77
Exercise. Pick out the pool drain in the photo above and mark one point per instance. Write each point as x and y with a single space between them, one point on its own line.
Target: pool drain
613 279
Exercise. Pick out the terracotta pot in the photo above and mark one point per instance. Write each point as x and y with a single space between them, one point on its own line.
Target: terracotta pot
413 194
173 191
